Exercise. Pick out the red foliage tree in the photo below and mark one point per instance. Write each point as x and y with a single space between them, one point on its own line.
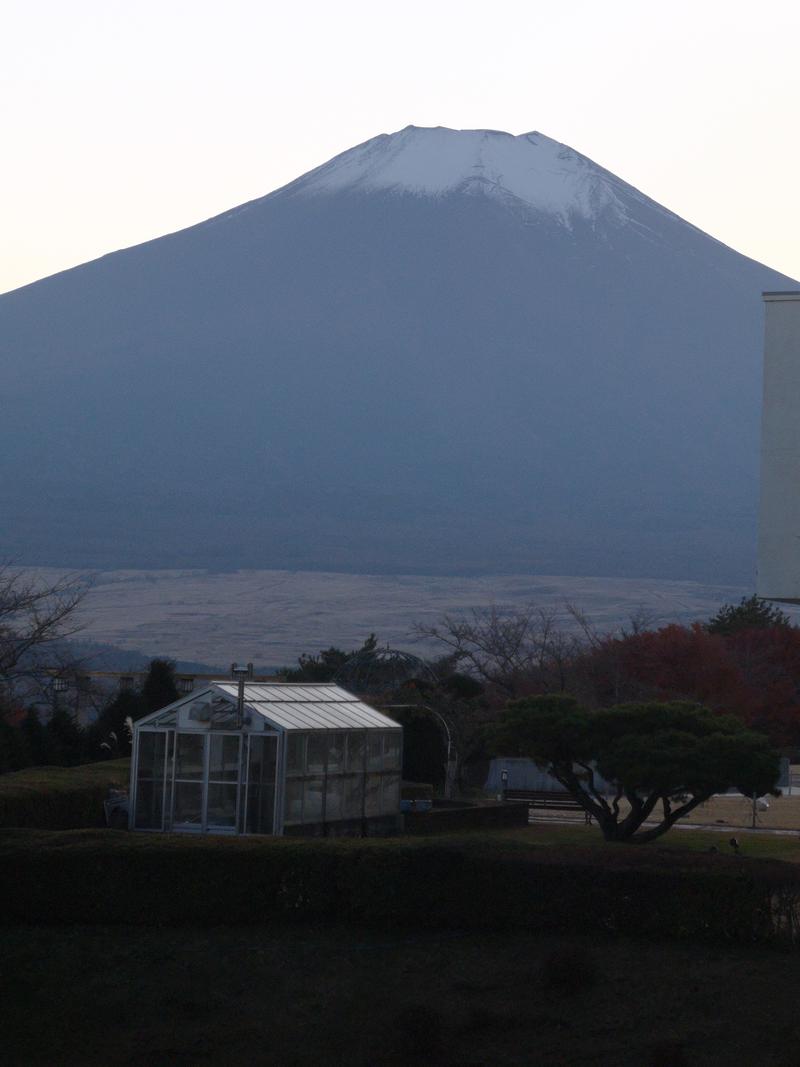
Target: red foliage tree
752 673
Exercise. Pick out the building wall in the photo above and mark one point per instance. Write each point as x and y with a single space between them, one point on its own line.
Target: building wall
779 516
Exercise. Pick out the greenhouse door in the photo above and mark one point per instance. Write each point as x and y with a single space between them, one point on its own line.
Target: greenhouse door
222 796
206 790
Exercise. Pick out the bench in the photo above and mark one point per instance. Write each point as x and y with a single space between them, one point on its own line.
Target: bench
556 800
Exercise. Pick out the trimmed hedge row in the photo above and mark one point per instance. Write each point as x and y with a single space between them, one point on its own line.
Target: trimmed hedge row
442 820
60 798
94 876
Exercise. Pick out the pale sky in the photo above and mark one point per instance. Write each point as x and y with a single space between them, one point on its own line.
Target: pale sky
122 121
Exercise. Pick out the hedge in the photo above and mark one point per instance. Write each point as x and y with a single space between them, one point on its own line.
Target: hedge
93 876
60 798
441 820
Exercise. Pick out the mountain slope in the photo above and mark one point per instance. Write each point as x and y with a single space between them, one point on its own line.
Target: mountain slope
442 351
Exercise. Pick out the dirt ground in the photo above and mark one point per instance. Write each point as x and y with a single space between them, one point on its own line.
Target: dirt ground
783 812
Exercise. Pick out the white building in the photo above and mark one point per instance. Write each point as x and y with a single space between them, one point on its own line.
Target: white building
779 517
266 759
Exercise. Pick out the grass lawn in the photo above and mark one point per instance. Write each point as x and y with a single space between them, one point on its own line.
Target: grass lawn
754 844
288 995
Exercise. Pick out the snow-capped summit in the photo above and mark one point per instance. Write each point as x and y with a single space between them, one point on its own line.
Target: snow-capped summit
433 161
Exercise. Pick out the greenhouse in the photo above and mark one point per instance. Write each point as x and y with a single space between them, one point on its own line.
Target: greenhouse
266 759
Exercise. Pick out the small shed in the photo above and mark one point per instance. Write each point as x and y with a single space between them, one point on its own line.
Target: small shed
266 759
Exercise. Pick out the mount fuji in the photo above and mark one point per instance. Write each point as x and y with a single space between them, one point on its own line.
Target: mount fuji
440 352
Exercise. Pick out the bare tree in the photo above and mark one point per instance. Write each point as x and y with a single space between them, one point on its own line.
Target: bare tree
512 652
36 618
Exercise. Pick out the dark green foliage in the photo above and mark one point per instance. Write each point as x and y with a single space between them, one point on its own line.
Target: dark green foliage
106 876
424 706
462 686
662 759
109 737
424 747
37 739
159 687
13 750
60 798
65 738
324 666
750 613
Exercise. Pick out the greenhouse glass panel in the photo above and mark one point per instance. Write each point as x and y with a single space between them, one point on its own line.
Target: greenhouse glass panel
374 751
296 754
188 808
356 750
353 796
221 806
391 752
223 758
372 794
151 753
149 814
390 800
313 789
316 753
334 795
294 801
149 805
336 747
261 785
189 756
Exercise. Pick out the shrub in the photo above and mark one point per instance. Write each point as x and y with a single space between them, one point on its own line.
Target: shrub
60 798
106 876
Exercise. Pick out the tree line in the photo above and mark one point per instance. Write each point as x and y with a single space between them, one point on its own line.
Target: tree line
494 688
61 741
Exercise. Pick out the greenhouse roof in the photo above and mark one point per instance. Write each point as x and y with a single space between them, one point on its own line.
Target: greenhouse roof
286 705
308 707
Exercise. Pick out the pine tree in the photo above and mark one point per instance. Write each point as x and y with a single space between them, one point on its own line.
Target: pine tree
750 613
159 687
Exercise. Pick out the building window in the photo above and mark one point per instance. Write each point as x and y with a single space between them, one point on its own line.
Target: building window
186 685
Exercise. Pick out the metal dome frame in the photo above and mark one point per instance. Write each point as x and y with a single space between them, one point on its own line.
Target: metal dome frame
382 670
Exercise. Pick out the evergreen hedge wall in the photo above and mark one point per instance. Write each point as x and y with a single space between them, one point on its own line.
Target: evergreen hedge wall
94 876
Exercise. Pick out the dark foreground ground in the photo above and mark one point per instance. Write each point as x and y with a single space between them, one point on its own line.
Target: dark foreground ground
321 995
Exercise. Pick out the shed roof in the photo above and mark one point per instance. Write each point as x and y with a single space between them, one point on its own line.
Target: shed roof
293 706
